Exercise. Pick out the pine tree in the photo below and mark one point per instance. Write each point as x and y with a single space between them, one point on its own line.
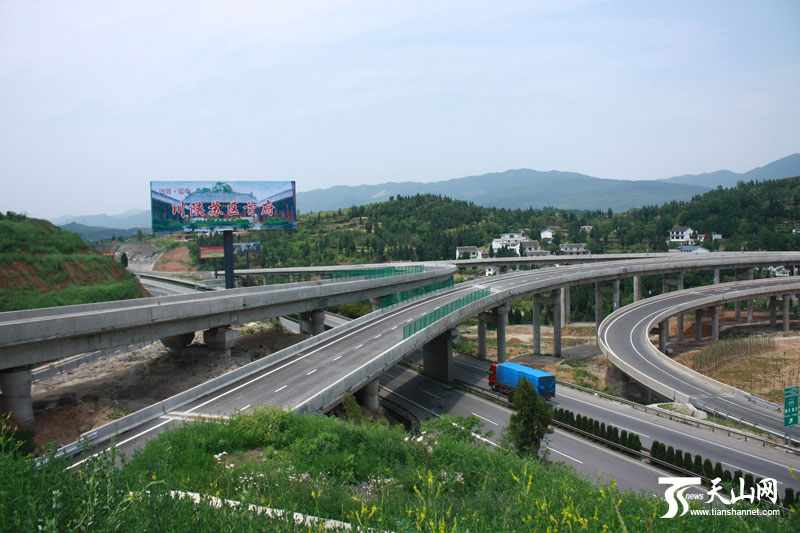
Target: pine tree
529 425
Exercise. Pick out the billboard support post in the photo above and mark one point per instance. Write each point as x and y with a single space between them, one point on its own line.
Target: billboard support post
227 243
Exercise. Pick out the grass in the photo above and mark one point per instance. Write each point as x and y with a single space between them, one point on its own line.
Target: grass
729 351
19 299
370 475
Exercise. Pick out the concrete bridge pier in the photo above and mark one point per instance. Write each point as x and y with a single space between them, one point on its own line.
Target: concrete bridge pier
437 356
177 342
716 276
16 398
599 290
715 323
376 304
538 300
501 316
565 305
368 396
312 322
787 306
663 335
221 338
482 318
773 318
637 288
698 325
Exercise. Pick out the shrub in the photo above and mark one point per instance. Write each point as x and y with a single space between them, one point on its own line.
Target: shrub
678 459
670 456
654 449
708 468
788 497
687 461
697 467
727 477
718 470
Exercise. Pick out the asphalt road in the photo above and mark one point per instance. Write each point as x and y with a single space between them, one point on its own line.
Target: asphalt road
627 334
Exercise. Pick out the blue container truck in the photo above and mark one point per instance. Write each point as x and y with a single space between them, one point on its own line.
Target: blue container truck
505 376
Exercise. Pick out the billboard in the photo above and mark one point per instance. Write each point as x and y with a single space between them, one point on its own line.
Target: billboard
205 206
209 252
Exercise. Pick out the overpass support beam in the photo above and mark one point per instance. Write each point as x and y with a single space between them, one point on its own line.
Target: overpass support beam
680 315
437 356
787 305
557 320
175 342
615 293
598 304
637 288
482 335
663 335
222 338
716 276
501 313
698 325
368 395
565 304
312 322
16 399
773 312
536 311
715 324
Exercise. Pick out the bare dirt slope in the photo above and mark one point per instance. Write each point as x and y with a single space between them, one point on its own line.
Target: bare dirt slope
92 395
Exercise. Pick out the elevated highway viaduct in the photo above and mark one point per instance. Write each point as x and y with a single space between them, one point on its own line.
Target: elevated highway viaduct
30 336
354 356
624 338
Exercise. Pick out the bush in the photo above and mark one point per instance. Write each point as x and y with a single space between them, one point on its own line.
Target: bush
687 461
654 449
662 450
697 467
708 469
727 477
718 470
748 481
670 456
788 498
678 459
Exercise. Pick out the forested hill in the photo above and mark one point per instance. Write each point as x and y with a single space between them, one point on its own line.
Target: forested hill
750 216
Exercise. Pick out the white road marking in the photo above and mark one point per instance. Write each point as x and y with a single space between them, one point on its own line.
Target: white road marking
337 357
309 373
484 418
278 390
378 336
565 455
359 346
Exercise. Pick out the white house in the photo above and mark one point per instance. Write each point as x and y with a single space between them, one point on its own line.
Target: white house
509 240
472 251
549 232
532 248
587 229
574 248
681 235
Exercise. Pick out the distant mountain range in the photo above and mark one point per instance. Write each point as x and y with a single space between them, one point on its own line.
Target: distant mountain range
133 218
524 188
96 233
511 189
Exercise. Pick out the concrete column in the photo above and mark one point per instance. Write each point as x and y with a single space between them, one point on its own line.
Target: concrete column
664 284
16 399
714 324
787 305
437 356
598 304
376 303
175 342
482 336
798 305
680 315
737 310
663 335
750 311
564 304
368 395
615 285
304 323
637 288
222 338
537 327
773 319
567 311
716 276
317 321
502 322
698 325
557 321
291 278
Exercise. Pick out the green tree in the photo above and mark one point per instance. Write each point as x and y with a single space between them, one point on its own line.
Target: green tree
124 260
529 425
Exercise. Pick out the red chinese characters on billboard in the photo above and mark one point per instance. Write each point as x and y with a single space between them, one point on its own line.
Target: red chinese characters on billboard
218 206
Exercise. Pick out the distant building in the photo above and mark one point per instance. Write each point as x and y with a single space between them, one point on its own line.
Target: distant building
694 250
681 235
587 229
574 248
511 241
472 251
531 248
549 232
713 236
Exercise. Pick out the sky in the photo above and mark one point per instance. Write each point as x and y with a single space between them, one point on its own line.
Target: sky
99 98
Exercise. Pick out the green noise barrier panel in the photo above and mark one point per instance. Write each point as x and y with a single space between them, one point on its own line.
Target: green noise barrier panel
441 312
393 299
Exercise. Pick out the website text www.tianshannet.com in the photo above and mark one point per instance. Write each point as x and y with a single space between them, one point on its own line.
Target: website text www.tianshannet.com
735 512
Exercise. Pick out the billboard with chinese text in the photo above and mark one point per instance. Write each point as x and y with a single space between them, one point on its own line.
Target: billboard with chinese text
206 206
